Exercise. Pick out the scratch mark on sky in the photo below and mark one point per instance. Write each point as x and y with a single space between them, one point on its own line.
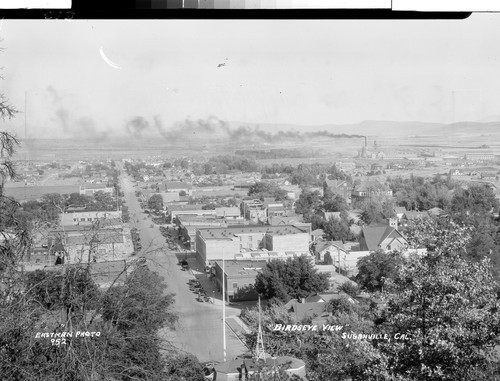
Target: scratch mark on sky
107 60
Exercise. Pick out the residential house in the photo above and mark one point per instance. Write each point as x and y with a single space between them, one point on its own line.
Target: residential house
340 187
329 215
336 278
399 211
412 215
436 212
330 253
382 237
317 235
369 189
305 311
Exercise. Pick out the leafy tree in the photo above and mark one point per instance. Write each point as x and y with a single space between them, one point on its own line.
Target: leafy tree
155 202
54 201
371 212
293 278
141 304
337 174
327 355
308 203
317 222
439 236
448 305
183 367
375 269
334 202
475 199
266 189
337 230
449 309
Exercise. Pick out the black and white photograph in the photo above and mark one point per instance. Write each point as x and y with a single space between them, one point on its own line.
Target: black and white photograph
250 199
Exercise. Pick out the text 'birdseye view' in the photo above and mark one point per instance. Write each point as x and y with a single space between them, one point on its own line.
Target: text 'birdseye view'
189 200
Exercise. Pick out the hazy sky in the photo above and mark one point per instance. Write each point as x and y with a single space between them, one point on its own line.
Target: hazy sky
276 71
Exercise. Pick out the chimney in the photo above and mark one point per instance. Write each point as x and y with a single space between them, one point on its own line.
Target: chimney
303 300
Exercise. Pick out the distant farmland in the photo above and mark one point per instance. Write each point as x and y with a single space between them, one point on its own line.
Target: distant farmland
27 193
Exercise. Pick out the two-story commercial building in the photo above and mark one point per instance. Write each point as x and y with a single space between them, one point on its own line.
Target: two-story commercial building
213 243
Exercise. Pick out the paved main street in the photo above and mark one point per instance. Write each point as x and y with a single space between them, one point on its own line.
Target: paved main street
199 330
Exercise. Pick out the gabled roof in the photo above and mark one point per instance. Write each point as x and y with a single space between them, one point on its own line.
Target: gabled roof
374 235
436 211
333 184
318 232
322 245
327 297
284 220
399 209
307 310
411 215
314 299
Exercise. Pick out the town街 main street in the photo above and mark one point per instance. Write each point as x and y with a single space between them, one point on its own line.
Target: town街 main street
199 329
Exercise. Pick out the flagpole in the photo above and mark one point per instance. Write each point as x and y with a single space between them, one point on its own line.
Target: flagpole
223 305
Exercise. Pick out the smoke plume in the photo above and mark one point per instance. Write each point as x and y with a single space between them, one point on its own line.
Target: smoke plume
214 129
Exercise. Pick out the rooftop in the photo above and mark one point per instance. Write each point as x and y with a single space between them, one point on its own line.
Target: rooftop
235 231
241 268
94 186
176 185
175 208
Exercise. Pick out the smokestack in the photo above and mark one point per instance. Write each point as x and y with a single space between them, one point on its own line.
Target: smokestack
365 141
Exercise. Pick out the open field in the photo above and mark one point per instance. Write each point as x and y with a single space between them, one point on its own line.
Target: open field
34 192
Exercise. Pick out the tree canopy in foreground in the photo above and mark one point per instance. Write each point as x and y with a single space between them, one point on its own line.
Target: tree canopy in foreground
293 278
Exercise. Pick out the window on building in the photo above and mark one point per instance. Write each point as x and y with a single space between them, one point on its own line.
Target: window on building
82 219
89 219
235 286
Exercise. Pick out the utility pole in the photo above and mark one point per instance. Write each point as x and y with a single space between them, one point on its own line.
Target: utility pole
223 305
